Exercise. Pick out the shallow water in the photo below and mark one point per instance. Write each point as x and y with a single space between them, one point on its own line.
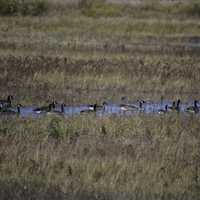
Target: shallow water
111 109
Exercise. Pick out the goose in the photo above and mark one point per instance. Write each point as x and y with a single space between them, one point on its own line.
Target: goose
125 106
6 102
131 107
62 108
9 111
175 106
193 109
178 105
94 107
45 109
91 108
128 107
141 102
59 112
172 107
162 111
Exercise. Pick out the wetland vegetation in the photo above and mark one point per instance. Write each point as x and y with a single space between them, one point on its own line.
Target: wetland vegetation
88 52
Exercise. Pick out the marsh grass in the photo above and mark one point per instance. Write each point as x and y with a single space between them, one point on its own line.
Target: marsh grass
109 156
34 79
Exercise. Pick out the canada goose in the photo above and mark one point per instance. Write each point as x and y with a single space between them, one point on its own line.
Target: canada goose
6 102
19 108
62 108
172 107
141 102
193 109
162 111
131 107
61 111
128 107
91 109
9 111
45 109
94 107
175 106
178 105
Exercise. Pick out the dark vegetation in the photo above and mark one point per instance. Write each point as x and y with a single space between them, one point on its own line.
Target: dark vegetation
23 7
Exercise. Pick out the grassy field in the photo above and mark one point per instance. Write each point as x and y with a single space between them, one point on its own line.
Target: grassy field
110 158
81 53
88 52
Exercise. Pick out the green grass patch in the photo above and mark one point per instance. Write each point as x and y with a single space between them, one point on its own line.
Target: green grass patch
98 8
192 9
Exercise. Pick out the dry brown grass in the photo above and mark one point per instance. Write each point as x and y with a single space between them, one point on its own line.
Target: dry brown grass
35 79
131 158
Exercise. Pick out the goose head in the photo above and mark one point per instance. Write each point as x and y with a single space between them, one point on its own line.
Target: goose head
105 103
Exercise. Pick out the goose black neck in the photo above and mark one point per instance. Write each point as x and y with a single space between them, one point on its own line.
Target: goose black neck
53 105
95 107
50 107
178 105
18 109
9 99
62 108
195 104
